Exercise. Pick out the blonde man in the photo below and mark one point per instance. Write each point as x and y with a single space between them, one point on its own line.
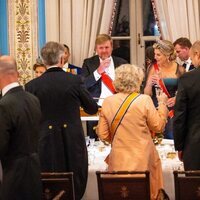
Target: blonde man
95 66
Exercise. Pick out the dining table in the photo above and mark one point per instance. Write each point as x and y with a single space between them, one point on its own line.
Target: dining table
97 152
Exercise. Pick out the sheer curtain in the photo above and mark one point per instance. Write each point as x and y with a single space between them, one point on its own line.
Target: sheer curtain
179 18
77 23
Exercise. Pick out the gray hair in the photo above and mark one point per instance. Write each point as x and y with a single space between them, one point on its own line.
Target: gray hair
128 78
51 53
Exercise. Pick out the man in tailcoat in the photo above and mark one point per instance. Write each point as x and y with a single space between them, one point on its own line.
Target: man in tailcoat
20 117
62 145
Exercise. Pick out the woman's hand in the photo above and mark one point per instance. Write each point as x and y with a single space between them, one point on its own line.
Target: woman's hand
162 97
171 102
153 80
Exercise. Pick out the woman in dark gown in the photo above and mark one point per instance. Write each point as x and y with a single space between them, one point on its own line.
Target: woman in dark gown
167 72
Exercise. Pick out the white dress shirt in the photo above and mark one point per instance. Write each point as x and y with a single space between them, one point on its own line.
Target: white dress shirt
65 66
105 92
188 62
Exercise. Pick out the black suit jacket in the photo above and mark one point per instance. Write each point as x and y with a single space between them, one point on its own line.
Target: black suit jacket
62 143
89 66
190 68
187 119
20 116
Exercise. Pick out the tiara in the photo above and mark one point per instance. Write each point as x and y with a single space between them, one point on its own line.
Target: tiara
163 45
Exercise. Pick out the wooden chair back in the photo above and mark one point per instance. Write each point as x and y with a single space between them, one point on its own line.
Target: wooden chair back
57 186
187 185
126 185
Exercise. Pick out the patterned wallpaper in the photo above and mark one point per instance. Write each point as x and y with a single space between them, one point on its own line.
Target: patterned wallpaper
22 26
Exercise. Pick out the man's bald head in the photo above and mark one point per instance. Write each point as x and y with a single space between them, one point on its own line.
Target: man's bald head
7 64
8 70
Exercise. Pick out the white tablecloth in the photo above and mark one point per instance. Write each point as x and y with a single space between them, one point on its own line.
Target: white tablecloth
89 118
98 153
168 166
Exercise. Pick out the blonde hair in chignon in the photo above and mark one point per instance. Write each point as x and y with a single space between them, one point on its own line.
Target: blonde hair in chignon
167 48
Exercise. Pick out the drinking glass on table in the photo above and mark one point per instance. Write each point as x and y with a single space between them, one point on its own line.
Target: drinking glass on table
92 141
91 154
87 140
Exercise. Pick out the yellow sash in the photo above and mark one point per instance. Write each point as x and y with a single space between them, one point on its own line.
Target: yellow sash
121 112
119 116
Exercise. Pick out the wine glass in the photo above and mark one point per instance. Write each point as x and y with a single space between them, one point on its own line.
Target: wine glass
87 140
92 141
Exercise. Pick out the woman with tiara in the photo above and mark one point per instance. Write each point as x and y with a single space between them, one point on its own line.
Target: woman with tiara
163 75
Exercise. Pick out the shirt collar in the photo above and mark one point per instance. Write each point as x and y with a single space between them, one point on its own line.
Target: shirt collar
188 61
9 87
66 66
52 67
106 58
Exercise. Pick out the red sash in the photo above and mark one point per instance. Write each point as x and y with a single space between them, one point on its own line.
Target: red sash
108 82
164 89
161 83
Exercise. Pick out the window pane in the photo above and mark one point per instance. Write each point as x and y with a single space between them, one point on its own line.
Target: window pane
149 24
121 48
149 43
121 19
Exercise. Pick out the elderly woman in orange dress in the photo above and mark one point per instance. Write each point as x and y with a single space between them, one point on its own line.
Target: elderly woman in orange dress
129 133
163 75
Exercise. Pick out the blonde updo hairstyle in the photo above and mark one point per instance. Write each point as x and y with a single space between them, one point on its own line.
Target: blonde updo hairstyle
167 48
128 78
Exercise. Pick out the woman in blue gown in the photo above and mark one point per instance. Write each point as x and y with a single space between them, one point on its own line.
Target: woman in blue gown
166 71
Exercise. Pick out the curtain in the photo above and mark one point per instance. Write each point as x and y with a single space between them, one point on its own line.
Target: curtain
179 18
41 25
4 28
77 23
52 20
